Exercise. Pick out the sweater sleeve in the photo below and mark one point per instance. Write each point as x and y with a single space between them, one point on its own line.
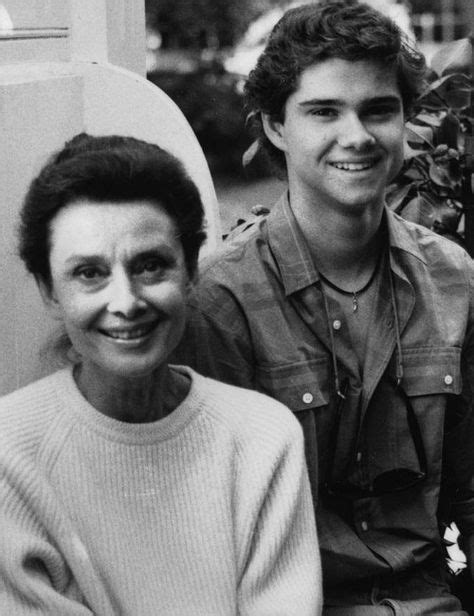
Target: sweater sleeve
282 574
34 577
44 569
30 571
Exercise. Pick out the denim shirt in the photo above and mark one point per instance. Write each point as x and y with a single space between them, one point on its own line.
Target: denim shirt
258 319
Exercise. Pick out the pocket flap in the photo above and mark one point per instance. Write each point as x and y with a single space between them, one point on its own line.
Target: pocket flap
432 370
300 386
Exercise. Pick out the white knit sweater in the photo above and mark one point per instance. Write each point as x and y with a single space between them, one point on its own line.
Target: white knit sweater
206 512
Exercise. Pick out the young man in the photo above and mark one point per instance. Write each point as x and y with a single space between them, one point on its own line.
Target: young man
359 321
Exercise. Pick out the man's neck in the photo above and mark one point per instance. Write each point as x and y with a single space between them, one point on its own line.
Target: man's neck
345 246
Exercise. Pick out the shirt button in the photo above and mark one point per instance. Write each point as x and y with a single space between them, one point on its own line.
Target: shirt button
359 456
307 398
364 526
336 324
448 379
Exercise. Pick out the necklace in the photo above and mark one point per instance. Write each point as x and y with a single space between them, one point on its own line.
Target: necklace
353 294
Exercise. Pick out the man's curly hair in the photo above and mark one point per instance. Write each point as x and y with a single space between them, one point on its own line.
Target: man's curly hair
315 32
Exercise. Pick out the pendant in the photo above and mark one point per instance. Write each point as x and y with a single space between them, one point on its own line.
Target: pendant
355 304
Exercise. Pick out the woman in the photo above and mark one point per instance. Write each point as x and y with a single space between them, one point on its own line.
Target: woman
129 486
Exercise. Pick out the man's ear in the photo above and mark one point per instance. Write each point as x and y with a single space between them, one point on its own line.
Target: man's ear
49 298
274 131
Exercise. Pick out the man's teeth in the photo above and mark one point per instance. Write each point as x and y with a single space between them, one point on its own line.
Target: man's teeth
352 166
130 334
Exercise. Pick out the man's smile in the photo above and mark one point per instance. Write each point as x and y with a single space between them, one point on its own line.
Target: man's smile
354 166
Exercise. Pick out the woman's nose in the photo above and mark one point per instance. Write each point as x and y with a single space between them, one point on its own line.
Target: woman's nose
123 297
354 134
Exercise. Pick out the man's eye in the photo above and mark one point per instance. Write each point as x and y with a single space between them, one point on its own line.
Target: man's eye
149 266
324 112
381 110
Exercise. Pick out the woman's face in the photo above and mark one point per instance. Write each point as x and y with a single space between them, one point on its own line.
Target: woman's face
119 284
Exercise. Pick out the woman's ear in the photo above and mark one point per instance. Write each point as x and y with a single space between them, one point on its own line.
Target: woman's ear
275 132
48 296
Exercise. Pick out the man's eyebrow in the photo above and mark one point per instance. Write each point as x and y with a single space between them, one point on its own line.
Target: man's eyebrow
161 251
331 102
335 102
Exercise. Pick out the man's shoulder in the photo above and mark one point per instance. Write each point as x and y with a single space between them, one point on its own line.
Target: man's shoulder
239 265
434 249
239 246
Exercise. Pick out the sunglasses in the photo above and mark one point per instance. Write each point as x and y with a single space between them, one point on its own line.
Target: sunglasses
389 481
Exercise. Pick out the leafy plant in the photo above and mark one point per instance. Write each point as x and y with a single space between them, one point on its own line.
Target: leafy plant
212 104
434 185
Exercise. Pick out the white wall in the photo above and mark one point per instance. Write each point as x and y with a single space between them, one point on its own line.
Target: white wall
81 69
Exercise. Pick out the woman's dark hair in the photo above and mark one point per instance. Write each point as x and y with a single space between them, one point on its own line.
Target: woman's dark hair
111 168
315 32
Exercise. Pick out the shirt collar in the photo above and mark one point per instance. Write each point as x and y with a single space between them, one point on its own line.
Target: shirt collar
291 250
401 236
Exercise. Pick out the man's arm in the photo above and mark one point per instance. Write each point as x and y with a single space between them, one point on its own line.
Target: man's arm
459 441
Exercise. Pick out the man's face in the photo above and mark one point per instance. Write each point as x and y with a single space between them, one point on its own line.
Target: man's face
342 134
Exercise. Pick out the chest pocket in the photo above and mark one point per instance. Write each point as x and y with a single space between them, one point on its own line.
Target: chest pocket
300 386
402 432
304 388
431 371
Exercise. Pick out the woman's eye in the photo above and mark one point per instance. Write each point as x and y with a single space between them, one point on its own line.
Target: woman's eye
88 273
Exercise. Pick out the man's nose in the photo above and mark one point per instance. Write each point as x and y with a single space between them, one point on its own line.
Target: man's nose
354 133
124 296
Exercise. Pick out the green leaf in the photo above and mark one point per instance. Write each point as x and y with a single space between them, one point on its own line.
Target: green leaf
453 90
413 150
441 177
430 119
416 174
453 57
250 153
449 131
396 196
418 135
448 213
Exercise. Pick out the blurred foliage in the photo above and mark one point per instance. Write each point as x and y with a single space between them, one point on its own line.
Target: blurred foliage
202 24
431 187
211 101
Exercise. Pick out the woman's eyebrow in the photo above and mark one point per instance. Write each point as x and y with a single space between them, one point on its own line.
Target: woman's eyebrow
80 257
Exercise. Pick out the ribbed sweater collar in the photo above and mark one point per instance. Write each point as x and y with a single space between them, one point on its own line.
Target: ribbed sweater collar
134 434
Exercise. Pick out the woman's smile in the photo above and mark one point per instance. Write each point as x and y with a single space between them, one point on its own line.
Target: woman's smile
131 333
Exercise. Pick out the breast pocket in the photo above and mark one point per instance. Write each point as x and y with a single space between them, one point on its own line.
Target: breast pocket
300 386
431 371
404 425
304 388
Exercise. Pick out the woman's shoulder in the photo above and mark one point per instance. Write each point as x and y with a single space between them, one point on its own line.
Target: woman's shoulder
26 413
249 415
